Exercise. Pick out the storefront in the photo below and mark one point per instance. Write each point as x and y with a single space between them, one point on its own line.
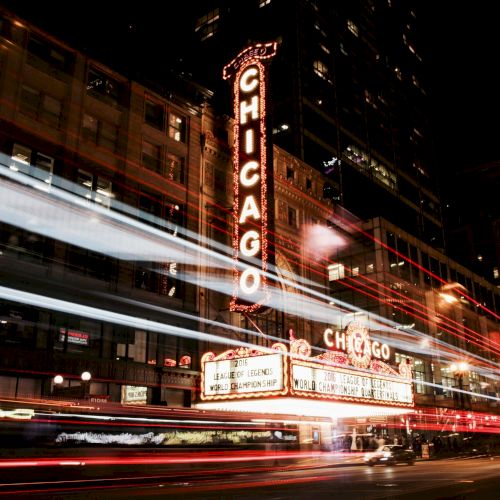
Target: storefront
352 380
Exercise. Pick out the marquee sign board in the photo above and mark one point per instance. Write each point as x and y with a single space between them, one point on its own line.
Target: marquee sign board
243 373
248 72
358 375
308 380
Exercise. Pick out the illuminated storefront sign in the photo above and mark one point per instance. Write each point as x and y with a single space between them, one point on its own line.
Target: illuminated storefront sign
245 375
74 337
355 340
356 375
134 395
310 381
250 156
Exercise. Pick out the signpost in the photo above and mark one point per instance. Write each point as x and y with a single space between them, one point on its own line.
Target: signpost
250 164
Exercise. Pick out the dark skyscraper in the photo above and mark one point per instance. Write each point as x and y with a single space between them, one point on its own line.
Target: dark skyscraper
349 97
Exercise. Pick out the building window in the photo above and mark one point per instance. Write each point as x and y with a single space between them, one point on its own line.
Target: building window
44 166
220 183
99 132
30 101
324 48
160 277
51 111
95 188
103 193
290 174
131 345
13 32
207 25
309 184
320 30
46 57
85 181
90 126
418 371
175 168
177 127
104 87
40 106
321 70
336 272
21 158
154 114
151 156
108 135
292 217
32 163
447 382
475 386
352 28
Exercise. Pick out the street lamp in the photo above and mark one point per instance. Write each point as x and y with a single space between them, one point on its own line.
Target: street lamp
85 376
58 380
459 369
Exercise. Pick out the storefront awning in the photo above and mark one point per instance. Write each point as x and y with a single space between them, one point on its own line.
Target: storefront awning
303 407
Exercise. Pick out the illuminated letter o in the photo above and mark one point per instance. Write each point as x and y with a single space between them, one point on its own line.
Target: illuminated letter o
245 84
386 353
250 243
252 180
245 275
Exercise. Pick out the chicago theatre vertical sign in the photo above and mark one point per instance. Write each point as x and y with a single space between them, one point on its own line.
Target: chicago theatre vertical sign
248 72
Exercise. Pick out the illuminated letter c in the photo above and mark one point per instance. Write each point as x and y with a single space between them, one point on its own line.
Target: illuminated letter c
247 83
327 337
244 178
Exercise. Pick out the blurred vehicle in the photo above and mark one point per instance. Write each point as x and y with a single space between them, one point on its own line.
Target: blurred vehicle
389 455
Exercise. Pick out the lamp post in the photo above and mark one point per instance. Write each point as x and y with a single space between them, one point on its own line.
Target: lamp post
459 369
86 376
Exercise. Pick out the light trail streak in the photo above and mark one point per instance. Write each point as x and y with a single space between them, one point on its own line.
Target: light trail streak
234 456
120 222
122 233
112 317
141 241
122 319
126 233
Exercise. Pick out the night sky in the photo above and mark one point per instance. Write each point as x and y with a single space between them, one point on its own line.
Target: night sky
464 54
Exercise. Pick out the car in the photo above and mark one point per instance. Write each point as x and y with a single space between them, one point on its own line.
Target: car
389 455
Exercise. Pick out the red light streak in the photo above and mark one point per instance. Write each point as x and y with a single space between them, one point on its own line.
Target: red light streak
194 194
235 456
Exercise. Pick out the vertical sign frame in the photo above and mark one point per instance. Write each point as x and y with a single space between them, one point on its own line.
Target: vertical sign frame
250 176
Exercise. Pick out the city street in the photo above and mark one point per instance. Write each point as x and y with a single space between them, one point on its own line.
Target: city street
464 478
249 250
